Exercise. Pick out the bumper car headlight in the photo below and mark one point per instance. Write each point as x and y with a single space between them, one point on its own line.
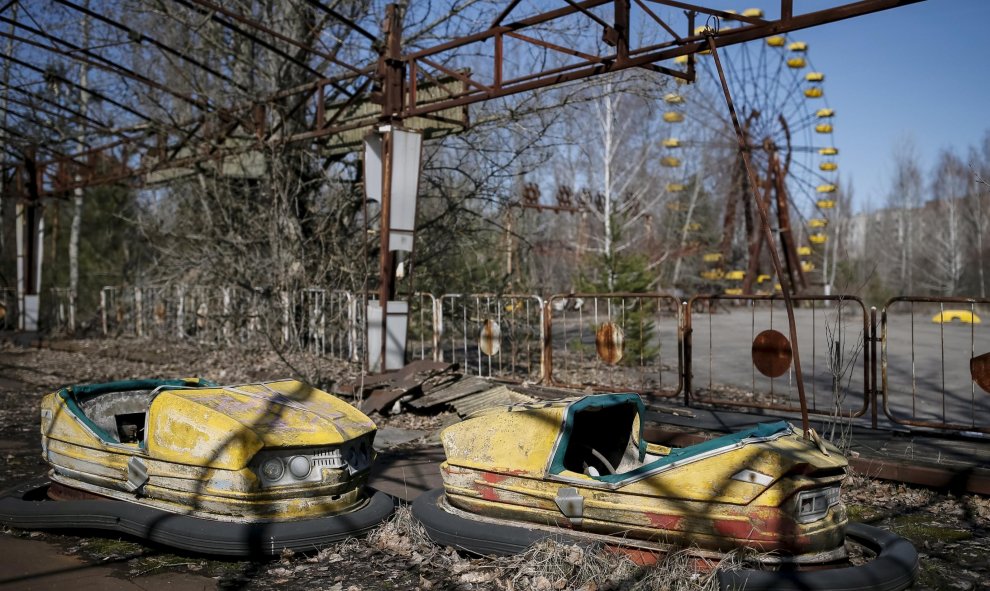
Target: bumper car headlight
288 467
300 467
272 469
813 505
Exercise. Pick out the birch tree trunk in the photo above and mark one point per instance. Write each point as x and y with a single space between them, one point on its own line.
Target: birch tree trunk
695 191
77 193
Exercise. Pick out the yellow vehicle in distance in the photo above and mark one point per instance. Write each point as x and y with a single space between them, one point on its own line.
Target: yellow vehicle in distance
949 316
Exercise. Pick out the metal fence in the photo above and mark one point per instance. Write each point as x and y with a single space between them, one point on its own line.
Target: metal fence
932 368
935 362
739 353
618 340
492 334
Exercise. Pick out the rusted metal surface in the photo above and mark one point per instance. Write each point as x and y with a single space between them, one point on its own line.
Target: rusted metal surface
619 53
979 368
786 288
610 342
380 391
931 371
461 319
490 339
772 353
833 330
955 479
871 362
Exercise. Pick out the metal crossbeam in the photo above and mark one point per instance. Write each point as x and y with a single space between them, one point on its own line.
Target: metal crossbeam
397 79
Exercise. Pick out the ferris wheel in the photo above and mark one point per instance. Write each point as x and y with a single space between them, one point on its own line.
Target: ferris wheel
782 105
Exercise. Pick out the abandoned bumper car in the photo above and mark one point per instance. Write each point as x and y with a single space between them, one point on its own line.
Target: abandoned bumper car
233 470
579 470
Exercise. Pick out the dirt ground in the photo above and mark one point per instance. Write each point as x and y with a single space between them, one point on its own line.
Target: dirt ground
952 533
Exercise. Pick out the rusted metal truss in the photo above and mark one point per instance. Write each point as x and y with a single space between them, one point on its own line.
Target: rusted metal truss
507 57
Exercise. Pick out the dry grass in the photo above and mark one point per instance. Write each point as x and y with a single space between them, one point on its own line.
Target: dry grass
546 566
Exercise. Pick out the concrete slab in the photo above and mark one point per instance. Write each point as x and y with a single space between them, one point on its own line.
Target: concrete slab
407 473
32 565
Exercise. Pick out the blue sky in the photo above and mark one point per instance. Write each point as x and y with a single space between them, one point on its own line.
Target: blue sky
919 72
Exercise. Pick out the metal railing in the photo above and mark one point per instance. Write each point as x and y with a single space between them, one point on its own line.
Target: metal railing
932 369
619 340
833 332
492 334
930 351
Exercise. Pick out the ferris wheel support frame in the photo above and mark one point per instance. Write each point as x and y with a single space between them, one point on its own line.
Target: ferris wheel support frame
785 288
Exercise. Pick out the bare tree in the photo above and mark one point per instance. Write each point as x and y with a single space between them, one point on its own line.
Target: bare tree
945 236
979 207
903 203
77 193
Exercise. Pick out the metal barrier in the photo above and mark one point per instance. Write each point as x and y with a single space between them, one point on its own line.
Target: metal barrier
57 316
492 335
725 350
739 354
619 340
422 339
116 311
935 362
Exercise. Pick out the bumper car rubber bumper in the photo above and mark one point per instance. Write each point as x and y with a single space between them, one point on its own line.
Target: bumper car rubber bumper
26 507
895 566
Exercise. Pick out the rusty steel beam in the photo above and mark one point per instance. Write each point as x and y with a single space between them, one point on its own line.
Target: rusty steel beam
960 480
688 45
785 289
478 90
349 22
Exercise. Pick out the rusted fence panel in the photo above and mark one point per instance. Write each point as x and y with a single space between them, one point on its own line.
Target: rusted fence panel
929 367
56 316
935 362
116 311
422 340
620 340
491 334
739 353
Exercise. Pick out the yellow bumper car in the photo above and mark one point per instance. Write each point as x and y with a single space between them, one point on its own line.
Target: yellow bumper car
580 470
235 470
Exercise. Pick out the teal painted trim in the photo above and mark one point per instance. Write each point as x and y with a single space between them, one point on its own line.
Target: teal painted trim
763 430
595 401
73 395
